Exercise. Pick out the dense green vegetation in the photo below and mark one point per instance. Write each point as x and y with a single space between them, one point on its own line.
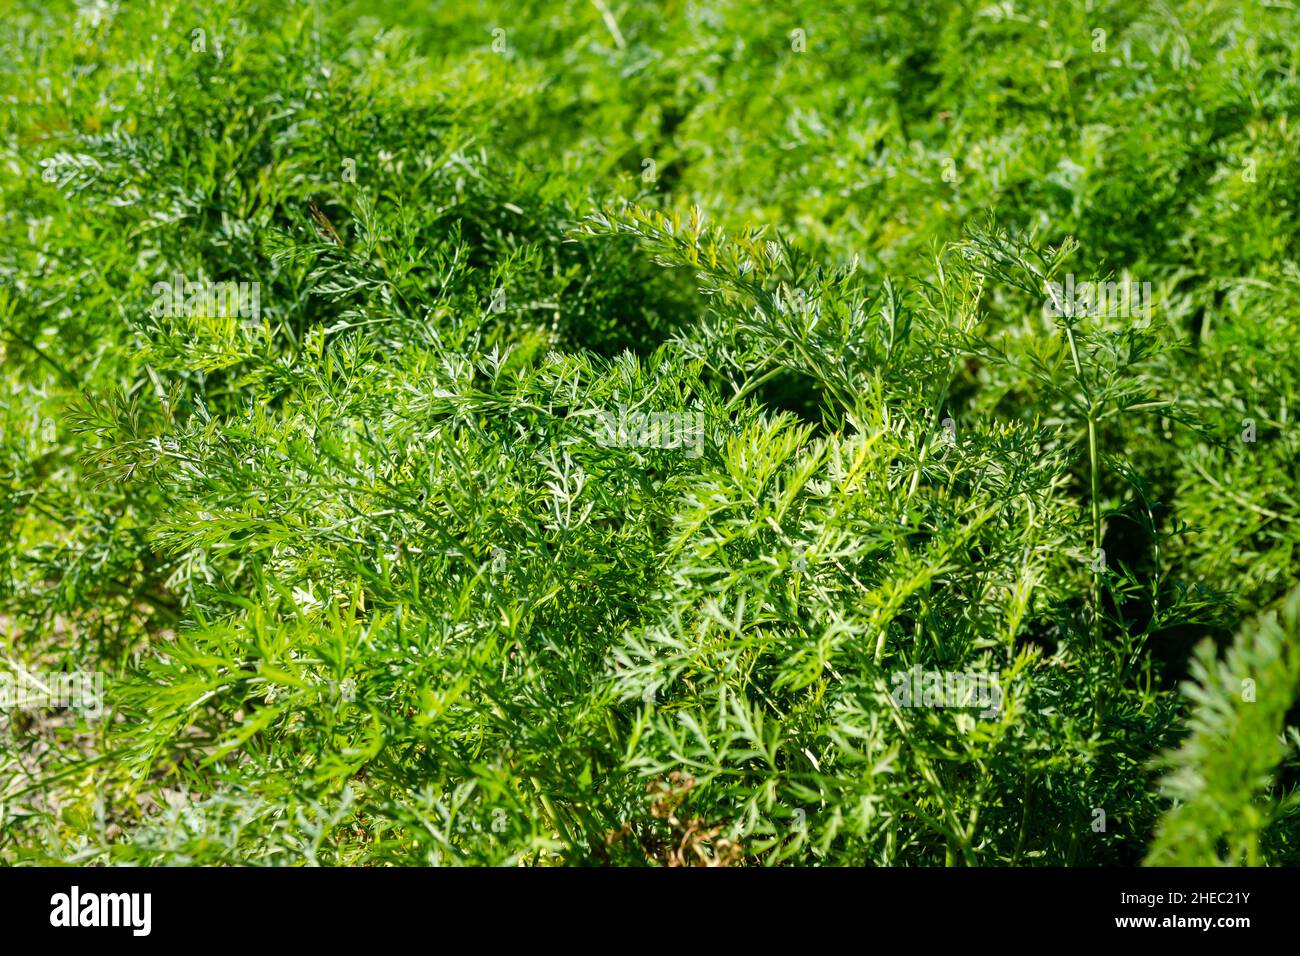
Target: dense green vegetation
634 392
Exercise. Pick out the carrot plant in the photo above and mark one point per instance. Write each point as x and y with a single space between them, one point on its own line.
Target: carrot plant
548 434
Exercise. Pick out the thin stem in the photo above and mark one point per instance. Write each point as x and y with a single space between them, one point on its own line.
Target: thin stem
1094 478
